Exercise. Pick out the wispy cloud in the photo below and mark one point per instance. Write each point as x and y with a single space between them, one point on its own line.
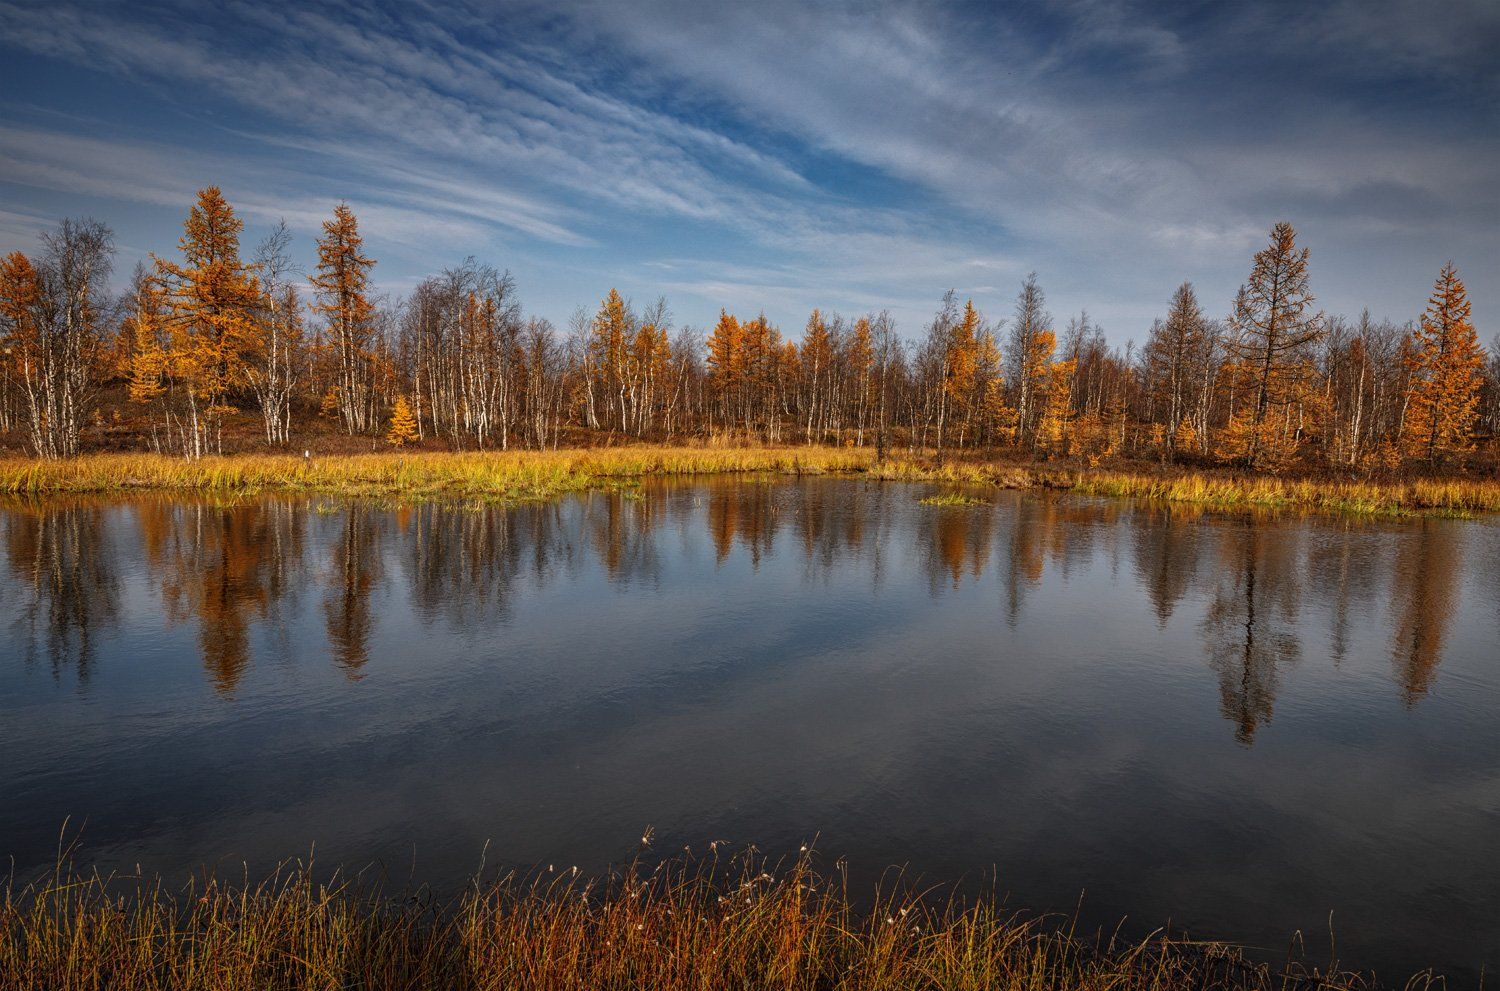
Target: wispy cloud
782 155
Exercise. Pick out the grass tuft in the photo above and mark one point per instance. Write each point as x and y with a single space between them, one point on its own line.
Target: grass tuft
952 499
743 924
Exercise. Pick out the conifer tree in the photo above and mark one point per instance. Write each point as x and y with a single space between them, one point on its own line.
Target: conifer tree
209 302
726 364
1031 345
342 288
403 425
1176 359
1273 321
1446 361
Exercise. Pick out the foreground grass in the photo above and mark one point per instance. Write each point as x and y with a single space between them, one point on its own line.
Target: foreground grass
684 925
543 474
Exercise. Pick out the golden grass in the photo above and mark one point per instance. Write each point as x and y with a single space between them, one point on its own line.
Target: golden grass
951 499
513 474
683 925
543 474
1450 497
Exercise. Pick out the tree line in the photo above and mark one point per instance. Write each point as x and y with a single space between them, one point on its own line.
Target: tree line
216 335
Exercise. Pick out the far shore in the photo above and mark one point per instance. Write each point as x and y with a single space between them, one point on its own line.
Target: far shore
525 475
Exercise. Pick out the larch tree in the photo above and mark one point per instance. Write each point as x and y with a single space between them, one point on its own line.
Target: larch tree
1446 363
209 302
1054 426
969 366
1273 323
1177 358
403 425
610 336
816 359
341 285
20 313
1030 350
726 365
650 369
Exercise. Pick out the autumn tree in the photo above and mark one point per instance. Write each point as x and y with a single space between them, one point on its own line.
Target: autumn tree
1031 345
649 370
1446 363
402 426
52 319
1054 426
341 285
1273 323
816 359
726 366
209 303
973 361
20 313
1178 359
610 335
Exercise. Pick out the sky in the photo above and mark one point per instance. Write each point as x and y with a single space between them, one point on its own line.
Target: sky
775 156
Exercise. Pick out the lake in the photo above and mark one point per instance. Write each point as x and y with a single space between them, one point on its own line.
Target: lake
1234 723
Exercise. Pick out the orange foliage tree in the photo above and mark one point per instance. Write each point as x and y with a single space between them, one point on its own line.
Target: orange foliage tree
342 288
1445 360
209 303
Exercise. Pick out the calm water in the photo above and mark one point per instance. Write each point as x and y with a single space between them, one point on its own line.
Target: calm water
1236 724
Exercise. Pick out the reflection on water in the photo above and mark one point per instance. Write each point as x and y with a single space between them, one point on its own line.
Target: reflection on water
222 568
1194 713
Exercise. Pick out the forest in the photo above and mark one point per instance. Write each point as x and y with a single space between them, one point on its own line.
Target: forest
222 347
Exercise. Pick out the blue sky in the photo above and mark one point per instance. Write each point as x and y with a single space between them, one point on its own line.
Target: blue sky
779 156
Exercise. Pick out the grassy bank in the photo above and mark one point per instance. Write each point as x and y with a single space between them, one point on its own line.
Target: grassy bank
682 925
536 475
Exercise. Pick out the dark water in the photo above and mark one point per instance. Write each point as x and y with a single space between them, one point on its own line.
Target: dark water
1236 724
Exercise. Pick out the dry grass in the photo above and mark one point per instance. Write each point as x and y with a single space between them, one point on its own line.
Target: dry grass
952 499
537 475
684 925
1451 497
515 474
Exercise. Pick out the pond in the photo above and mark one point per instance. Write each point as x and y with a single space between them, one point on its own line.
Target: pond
1236 724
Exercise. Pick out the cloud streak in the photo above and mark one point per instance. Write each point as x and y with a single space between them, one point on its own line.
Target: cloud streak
778 155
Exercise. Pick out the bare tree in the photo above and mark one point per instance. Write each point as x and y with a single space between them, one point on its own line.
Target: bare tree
275 365
55 331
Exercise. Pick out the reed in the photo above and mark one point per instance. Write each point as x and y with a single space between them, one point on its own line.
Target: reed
516 475
684 924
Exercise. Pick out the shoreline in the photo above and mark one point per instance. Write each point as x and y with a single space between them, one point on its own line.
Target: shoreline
531 475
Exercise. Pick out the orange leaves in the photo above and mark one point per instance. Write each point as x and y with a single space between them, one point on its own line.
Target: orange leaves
1444 358
209 305
341 287
403 425
20 292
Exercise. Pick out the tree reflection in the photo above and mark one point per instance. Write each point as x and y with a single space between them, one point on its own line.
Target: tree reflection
354 571
229 569
63 566
621 530
1167 546
742 511
1249 629
222 566
1429 562
961 541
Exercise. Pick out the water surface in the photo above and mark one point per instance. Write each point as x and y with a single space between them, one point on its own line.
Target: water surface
1238 724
